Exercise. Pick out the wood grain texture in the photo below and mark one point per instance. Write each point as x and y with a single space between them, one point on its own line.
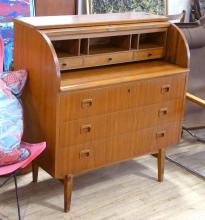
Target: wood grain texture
68 183
87 78
39 90
51 8
107 125
91 20
107 151
160 161
177 48
103 30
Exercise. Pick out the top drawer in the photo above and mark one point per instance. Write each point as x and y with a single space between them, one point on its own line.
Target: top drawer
91 102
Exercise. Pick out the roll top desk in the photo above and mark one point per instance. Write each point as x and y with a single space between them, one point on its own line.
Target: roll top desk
101 89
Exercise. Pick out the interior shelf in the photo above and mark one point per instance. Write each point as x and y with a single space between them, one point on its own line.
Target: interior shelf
100 45
152 40
109 44
67 48
99 49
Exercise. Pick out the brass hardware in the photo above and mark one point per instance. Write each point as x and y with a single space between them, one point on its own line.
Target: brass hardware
85 129
84 154
163 111
160 134
165 89
86 103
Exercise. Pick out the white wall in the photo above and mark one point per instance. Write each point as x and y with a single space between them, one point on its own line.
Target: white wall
177 6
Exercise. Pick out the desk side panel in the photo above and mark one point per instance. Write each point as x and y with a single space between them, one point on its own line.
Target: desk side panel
177 51
40 98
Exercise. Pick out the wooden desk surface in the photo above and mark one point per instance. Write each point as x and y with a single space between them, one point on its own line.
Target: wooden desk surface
91 20
88 78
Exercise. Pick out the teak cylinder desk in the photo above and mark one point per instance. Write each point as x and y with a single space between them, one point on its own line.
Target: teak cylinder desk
101 89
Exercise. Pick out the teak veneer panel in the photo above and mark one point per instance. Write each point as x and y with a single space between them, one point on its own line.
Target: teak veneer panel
121 96
73 80
50 7
91 20
102 31
117 123
124 147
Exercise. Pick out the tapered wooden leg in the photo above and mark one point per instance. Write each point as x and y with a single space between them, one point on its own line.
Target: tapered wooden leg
160 161
35 171
68 183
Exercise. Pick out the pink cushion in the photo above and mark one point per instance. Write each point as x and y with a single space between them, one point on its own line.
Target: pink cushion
34 149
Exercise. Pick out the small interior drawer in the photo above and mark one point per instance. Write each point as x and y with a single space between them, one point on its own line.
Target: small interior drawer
148 54
107 58
70 63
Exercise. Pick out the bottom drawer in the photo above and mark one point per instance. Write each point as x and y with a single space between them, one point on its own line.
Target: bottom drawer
84 157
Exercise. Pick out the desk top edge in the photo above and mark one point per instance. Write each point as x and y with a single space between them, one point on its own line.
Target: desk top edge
50 22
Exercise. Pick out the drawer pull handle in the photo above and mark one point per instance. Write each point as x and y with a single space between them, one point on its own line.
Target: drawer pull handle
165 89
84 154
163 111
85 129
87 103
160 134
64 64
149 54
109 59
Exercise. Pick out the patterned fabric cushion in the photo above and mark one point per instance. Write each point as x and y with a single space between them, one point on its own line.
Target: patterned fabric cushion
11 117
1 53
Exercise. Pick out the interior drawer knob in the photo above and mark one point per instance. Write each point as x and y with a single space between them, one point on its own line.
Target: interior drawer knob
85 129
165 89
163 112
64 64
86 103
160 134
109 59
149 54
84 154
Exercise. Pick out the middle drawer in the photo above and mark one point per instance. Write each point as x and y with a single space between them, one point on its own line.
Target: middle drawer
92 128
